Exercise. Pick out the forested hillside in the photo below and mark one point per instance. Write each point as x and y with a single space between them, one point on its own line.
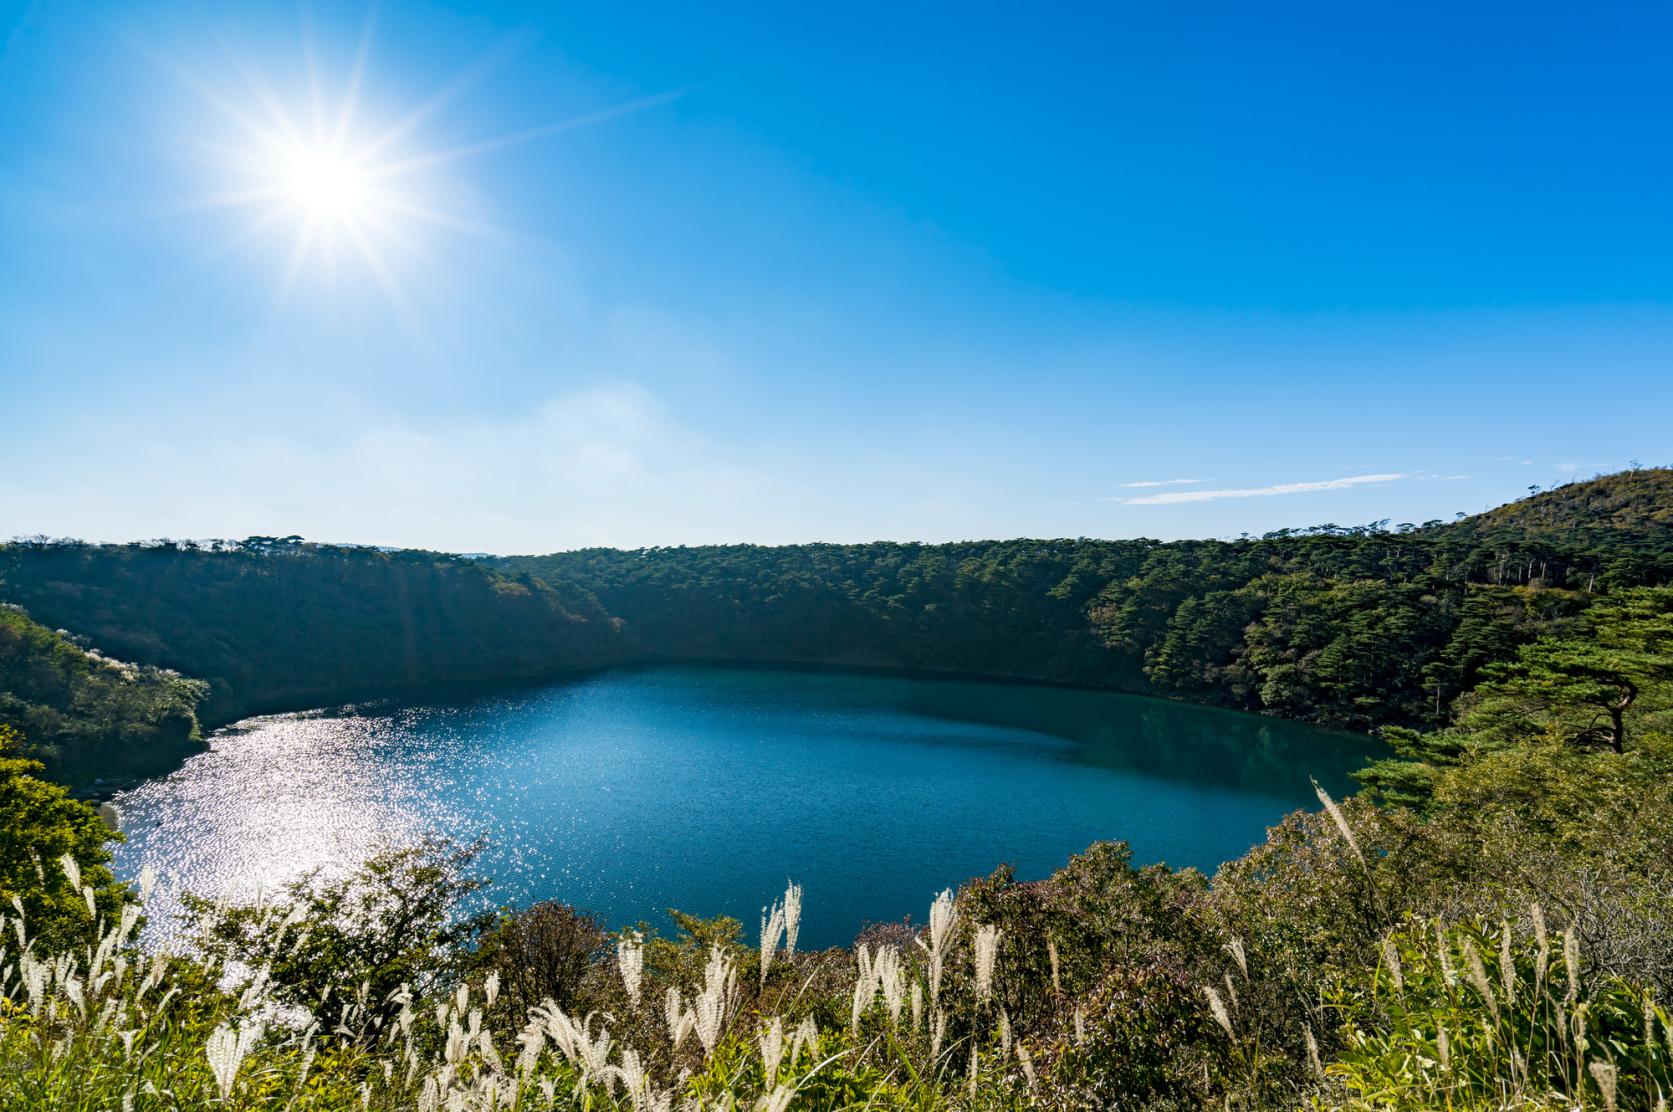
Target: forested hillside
91 714
283 624
1357 627
1625 500
1344 626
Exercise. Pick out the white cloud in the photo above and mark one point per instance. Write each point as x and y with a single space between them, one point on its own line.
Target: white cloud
1175 497
607 465
1166 483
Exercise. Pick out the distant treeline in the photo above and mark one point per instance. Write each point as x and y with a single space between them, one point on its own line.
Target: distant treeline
1354 627
275 624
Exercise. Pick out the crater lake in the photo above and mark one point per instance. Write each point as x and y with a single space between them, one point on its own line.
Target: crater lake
705 789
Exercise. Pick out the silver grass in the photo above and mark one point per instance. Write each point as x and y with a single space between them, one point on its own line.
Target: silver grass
1080 1026
1507 966
1339 819
1571 963
1051 952
1235 949
1478 978
630 961
805 1038
1444 952
1313 1059
575 1039
890 974
1605 1075
865 985
772 929
776 1101
987 950
226 1049
147 882
680 1022
771 1041
1004 1033
1027 1061
532 1040
1217 1008
792 918
943 913
917 1005
712 1006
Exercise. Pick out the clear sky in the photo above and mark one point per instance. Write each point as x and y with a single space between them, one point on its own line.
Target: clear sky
626 274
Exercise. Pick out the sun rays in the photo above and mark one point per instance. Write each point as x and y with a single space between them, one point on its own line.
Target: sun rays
335 186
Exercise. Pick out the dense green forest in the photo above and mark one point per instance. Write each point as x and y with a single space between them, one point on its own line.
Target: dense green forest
277 624
1353 627
1358 627
92 713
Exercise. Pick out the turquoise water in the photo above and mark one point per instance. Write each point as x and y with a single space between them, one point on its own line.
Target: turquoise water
635 790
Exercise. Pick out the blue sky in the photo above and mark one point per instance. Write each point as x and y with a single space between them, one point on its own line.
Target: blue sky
661 274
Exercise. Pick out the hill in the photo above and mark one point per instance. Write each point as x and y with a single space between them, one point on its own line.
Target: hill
88 713
279 623
1354 627
1641 498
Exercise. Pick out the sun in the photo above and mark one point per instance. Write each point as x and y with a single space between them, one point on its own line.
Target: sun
340 179
326 186
332 187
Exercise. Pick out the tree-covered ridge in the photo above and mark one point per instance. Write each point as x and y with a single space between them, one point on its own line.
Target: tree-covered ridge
1639 497
283 624
1006 608
1355 627
1360 627
86 711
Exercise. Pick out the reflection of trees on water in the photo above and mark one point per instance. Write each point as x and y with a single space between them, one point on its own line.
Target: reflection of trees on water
1153 737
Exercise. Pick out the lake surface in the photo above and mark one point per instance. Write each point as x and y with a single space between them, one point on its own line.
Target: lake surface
635 790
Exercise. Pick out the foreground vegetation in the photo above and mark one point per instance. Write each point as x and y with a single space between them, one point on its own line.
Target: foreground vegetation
1489 927
1360 628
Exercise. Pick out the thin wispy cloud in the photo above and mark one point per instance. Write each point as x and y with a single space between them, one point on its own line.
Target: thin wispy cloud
1165 483
1175 497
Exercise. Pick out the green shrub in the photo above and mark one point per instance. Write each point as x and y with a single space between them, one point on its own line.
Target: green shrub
1467 1016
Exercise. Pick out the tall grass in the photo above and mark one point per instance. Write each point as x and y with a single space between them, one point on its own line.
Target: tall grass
1458 1016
